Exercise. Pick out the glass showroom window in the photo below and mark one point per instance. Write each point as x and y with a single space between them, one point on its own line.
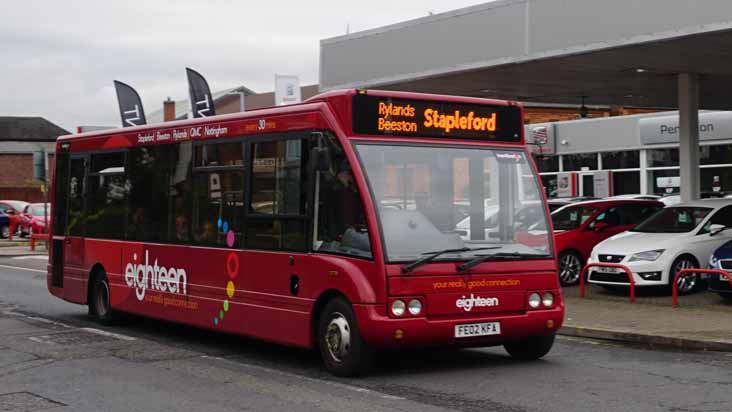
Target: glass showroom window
575 162
621 160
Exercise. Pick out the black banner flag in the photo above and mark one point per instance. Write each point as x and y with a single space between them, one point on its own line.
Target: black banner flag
130 105
201 100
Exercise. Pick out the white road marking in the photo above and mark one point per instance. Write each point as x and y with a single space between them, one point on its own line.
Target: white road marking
109 334
52 322
21 268
39 257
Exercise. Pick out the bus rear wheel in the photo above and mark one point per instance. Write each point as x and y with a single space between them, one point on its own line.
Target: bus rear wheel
100 307
531 348
341 347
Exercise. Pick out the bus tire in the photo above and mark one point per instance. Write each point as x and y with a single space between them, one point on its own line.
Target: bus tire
531 348
100 307
339 341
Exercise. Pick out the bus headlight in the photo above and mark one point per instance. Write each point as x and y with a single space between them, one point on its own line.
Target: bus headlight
534 300
398 307
415 307
548 299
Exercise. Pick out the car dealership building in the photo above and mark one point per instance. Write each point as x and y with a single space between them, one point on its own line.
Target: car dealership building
640 152
660 54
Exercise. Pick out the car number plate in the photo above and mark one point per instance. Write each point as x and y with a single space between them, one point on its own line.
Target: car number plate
603 269
477 329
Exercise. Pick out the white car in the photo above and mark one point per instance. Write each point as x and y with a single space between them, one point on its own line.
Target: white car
677 237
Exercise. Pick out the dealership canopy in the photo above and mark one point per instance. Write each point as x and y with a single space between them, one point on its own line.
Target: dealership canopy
650 53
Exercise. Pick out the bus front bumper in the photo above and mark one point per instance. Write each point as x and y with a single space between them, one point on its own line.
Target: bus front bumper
379 330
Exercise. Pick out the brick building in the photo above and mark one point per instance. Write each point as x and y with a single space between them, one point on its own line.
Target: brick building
19 138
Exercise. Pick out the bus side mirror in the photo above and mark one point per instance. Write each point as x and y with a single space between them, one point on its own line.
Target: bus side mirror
321 159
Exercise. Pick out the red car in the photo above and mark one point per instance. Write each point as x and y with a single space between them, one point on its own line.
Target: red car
580 226
14 210
36 220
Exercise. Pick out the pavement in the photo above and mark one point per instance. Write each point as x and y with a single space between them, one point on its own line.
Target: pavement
702 321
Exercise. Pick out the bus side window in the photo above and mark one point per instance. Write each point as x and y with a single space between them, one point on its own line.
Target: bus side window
277 212
341 221
106 203
218 200
147 210
76 192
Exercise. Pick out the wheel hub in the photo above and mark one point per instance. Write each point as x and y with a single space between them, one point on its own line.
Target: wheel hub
338 337
569 268
686 282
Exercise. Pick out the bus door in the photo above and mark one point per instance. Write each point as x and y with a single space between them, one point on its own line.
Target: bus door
72 250
276 238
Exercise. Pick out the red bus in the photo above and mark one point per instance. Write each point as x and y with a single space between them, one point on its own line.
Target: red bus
354 221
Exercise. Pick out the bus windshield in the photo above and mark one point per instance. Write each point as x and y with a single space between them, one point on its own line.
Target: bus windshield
432 198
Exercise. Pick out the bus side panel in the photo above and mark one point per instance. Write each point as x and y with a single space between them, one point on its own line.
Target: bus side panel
359 280
156 281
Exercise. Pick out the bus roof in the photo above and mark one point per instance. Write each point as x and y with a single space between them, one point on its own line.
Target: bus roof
340 103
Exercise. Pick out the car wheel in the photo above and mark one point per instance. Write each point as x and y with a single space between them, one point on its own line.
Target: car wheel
687 283
342 349
100 307
570 268
4 232
530 349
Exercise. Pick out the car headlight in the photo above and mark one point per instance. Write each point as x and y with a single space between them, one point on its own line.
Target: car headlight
649 255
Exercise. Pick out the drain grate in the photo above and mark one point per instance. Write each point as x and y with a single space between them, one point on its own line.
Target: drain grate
74 337
26 402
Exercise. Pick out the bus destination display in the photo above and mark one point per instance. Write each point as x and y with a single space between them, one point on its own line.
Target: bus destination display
381 115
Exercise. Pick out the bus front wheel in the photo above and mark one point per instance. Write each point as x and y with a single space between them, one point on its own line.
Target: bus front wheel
100 307
531 348
341 347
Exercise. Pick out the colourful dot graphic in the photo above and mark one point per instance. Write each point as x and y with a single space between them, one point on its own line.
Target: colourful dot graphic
232 269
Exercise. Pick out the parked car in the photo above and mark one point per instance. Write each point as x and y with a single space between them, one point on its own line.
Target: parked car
36 218
558 202
670 200
4 225
525 215
14 210
721 259
636 196
581 226
677 237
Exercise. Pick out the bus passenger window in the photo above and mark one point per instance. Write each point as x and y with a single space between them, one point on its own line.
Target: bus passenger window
278 206
341 220
218 200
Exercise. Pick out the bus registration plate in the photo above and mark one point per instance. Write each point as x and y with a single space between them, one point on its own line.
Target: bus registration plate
477 329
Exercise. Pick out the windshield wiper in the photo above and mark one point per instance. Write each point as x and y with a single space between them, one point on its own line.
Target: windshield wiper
496 256
429 256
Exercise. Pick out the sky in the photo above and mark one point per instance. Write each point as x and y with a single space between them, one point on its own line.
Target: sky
59 58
